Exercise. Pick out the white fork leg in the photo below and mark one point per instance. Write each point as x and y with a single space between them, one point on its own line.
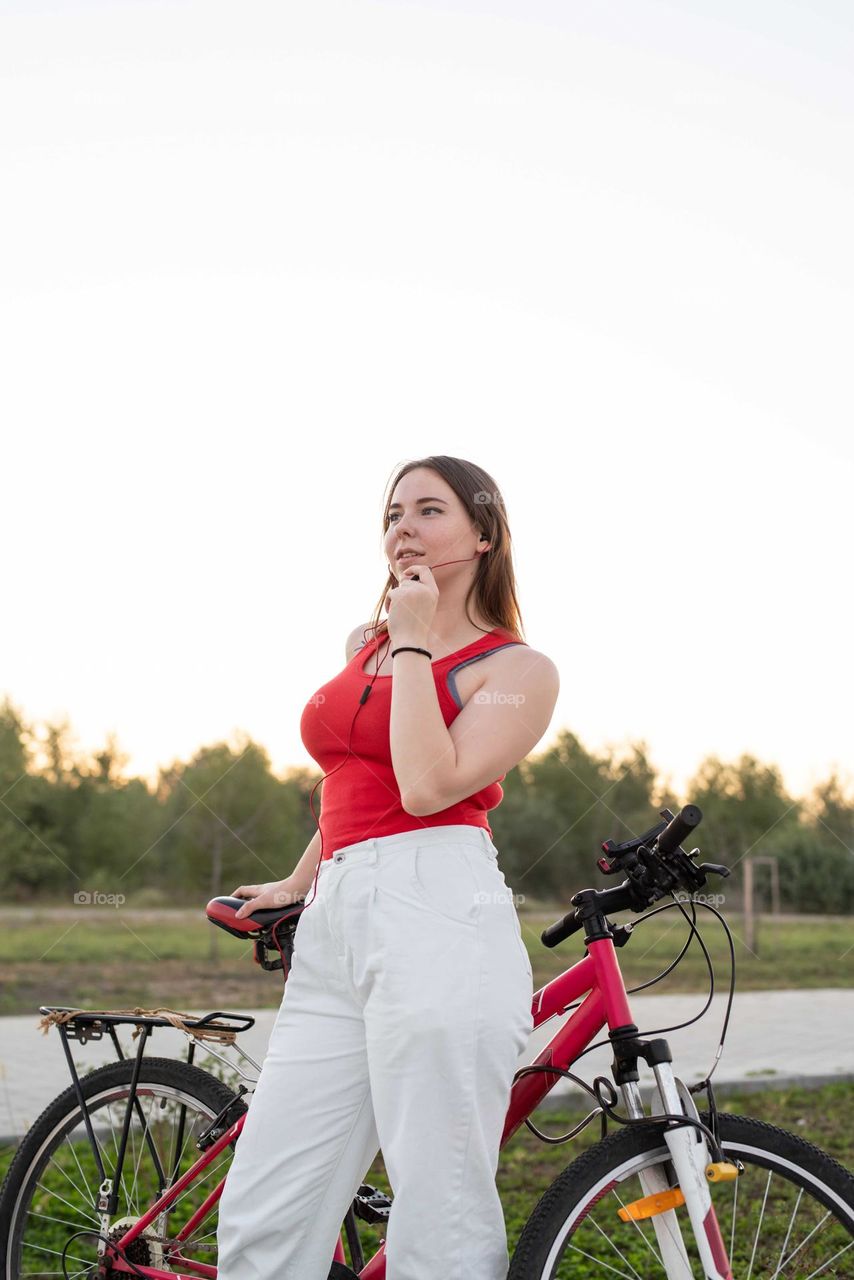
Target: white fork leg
671 1246
690 1157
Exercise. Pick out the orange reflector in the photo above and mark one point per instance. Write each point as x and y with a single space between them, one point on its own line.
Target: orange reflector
721 1171
649 1206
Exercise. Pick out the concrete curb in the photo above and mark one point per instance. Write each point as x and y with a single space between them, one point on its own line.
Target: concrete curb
776 1040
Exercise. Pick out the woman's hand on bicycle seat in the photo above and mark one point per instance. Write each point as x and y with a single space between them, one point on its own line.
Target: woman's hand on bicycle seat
276 893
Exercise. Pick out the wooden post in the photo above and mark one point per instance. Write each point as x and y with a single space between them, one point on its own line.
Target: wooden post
749 921
216 879
751 936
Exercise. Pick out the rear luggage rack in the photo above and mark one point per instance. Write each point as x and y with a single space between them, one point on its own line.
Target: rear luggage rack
90 1024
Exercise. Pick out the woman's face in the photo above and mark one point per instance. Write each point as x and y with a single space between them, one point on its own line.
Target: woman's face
426 516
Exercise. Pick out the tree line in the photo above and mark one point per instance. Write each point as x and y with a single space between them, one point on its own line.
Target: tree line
72 823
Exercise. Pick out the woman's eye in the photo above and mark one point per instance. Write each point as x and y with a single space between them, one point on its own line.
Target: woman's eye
423 509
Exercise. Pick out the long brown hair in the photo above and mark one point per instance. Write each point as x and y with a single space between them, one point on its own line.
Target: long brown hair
494 586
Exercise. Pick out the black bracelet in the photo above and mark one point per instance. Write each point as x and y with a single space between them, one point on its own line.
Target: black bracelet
408 648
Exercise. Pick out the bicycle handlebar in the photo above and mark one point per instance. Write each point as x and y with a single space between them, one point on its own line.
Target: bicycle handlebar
679 829
654 869
616 899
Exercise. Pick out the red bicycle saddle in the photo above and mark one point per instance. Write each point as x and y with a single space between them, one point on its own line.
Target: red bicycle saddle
222 912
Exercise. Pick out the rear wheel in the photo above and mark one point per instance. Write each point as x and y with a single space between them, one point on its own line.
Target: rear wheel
51 1189
790 1214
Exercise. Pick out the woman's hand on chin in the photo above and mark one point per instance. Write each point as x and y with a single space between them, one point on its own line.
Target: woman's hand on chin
411 606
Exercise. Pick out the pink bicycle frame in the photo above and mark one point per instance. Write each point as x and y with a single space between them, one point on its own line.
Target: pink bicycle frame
605 1002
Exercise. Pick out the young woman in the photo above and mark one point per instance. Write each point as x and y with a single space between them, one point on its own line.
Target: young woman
408 1003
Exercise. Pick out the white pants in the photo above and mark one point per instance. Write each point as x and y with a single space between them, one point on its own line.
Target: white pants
406 1011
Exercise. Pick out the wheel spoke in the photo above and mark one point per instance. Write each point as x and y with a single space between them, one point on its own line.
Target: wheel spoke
131 1149
67 1203
778 1206
115 1141
84 1194
209 1173
620 1255
600 1262
825 1265
182 1130
36 1213
57 1203
642 1235
675 1234
759 1225
818 1226
191 1130
41 1248
784 1246
55 1272
197 1240
143 1144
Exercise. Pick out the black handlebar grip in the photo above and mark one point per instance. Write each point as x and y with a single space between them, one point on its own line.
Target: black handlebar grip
679 828
561 930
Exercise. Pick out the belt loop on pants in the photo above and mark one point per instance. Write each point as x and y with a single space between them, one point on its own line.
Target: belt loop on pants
488 844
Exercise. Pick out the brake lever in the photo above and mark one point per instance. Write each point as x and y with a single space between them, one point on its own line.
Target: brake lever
714 869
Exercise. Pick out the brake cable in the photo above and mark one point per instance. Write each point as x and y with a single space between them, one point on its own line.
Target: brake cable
535 1068
693 930
606 1107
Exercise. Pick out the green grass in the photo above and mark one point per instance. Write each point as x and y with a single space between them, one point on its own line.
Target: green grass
527 1166
787 954
106 958
103 957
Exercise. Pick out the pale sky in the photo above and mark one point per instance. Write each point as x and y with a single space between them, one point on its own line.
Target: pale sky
256 255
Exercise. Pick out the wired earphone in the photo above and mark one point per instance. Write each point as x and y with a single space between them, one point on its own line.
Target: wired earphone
365 694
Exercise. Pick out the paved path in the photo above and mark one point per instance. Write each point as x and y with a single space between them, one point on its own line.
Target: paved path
774 1037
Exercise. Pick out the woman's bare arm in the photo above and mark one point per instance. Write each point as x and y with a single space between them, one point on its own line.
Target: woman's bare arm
280 893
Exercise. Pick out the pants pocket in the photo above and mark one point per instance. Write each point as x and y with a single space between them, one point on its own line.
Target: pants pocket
443 881
502 896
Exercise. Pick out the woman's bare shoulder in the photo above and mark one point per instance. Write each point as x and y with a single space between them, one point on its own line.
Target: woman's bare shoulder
357 639
522 660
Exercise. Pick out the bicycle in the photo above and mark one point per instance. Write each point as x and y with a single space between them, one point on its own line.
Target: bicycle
673 1192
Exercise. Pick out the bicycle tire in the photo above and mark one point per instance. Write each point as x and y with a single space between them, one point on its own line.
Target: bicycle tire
565 1235
188 1085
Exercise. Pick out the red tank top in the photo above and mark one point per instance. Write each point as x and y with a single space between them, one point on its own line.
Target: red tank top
362 799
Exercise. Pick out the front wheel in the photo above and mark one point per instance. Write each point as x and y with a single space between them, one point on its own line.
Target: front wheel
789 1215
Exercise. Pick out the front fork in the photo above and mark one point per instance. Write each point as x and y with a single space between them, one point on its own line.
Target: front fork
689 1155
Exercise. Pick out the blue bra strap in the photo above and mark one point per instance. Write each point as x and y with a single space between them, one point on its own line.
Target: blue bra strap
451 682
